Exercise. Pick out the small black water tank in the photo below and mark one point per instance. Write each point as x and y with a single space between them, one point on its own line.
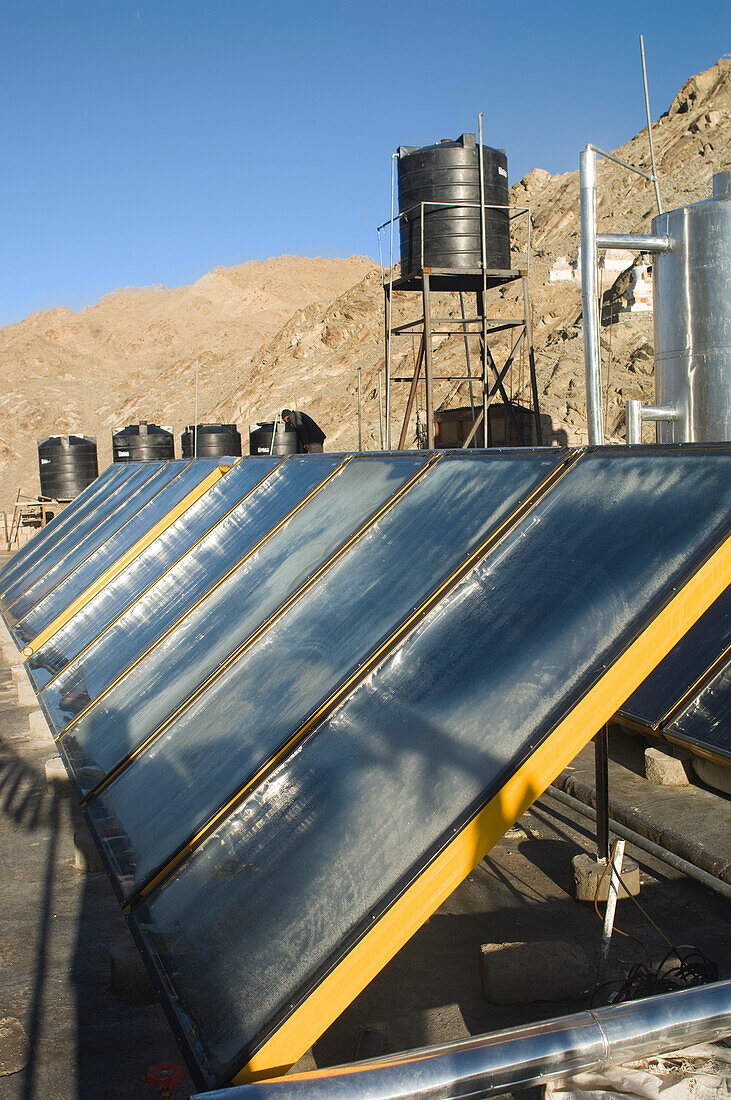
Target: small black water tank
67 464
286 440
450 173
214 441
143 442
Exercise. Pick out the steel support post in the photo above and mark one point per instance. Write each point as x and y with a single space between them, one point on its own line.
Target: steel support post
601 779
426 295
532 364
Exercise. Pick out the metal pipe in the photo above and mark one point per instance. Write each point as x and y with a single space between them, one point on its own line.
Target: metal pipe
388 310
516 1057
589 301
617 160
640 242
659 412
649 125
634 422
483 257
645 845
637 412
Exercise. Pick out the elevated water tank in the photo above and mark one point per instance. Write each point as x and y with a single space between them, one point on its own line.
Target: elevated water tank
143 442
66 464
450 173
214 441
286 440
692 318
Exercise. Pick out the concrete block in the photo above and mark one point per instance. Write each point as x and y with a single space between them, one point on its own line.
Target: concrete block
520 973
590 874
57 779
714 775
129 979
86 853
10 654
38 726
20 676
665 770
26 694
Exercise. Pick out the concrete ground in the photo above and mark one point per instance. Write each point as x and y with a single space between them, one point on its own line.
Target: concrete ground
85 1042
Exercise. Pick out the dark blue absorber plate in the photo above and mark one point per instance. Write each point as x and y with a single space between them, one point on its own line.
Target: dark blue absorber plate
705 723
684 667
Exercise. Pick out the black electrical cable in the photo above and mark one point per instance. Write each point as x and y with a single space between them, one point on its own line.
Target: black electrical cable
692 968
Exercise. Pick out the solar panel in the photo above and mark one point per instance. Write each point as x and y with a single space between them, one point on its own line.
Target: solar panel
63 521
120 592
705 722
119 548
69 527
116 510
293 739
683 671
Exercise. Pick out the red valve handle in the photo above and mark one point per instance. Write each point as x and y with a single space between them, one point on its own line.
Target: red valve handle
164 1075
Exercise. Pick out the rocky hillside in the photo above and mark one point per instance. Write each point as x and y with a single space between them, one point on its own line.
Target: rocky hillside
294 331
133 354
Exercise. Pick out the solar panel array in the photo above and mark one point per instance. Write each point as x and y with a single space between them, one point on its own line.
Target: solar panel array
300 698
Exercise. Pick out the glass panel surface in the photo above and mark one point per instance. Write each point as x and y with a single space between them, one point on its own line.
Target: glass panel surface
683 667
61 524
146 568
322 846
178 590
230 614
706 721
218 742
93 567
112 512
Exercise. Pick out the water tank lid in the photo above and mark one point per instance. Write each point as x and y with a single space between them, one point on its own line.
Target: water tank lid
466 141
144 428
74 438
223 427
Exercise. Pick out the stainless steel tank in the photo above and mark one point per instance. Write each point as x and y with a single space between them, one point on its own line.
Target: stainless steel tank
692 291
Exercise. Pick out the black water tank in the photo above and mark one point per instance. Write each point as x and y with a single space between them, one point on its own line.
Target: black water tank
214 441
143 442
67 464
450 173
286 440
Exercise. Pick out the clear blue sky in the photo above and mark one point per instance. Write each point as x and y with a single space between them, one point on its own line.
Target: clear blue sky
146 141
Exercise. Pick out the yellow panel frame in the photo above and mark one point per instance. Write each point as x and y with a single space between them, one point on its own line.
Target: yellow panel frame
124 560
381 942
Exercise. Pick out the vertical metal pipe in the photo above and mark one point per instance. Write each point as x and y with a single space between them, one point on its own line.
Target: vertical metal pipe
589 301
649 125
428 361
380 410
388 312
467 355
483 257
387 316
360 413
634 422
601 774
532 364
195 421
